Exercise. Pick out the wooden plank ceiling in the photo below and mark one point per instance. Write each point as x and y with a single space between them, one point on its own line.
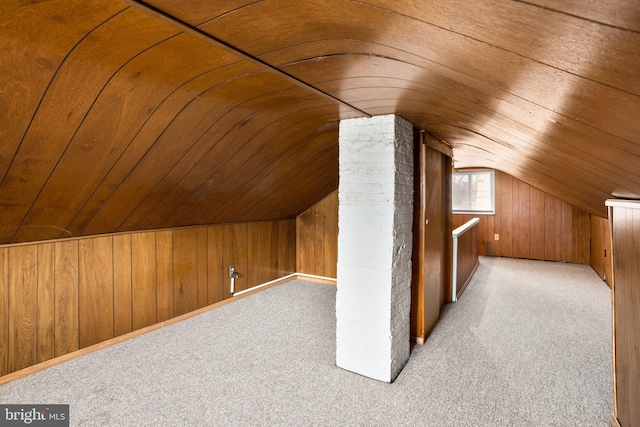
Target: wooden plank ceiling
123 115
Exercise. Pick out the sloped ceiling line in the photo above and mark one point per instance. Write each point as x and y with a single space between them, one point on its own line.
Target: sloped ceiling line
160 195
46 91
92 197
154 146
572 15
550 64
208 186
230 48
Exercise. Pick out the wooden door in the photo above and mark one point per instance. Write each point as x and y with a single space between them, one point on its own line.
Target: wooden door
434 253
432 231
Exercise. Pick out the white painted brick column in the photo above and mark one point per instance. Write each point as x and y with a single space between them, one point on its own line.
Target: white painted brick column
375 219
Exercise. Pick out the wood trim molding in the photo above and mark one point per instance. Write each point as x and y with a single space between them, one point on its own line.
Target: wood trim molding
104 344
614 422
437 144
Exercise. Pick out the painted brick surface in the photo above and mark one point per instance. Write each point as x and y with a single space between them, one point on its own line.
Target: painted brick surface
375 205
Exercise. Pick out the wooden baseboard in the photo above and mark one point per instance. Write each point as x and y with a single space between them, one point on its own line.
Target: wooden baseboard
314 278
614 422
99 346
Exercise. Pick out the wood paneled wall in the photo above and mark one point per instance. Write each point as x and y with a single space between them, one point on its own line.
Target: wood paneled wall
532 224
466 256
600 257
317 238
62 296
624 217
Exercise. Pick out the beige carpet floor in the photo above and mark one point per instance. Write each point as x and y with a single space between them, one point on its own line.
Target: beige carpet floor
528 344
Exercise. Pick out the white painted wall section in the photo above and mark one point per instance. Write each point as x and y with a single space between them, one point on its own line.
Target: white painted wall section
375 219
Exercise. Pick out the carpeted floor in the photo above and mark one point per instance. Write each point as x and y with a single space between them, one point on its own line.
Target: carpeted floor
528 344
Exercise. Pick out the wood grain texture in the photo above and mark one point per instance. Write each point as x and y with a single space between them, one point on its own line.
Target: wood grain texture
148 127
185 270
58 297
600 250
252 253
46 303
144 279
164 276
23 306
241 255
122 285
317 238
4 311
202 248
626 301
217 288
287 247
66 297
532 224
95 290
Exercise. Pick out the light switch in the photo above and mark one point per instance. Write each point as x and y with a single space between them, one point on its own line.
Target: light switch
496 237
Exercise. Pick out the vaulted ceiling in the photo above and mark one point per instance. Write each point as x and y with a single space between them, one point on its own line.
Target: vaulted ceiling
128 115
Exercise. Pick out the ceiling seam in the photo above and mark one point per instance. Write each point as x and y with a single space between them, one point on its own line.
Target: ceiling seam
190 29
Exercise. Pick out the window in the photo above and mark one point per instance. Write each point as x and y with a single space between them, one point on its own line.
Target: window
473 191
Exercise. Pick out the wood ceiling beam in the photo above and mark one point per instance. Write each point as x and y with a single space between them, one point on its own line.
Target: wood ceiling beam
189 29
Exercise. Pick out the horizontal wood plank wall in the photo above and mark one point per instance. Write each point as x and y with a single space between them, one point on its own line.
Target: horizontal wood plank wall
532 224
317 238
58 297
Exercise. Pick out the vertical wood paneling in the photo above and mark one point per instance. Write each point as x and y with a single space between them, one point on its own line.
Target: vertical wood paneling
58 297
228 259
272 266
266 259
287 247
122 308
491 243
626 313
67 337
532 224
95 290
202 267
505 204
317 238
164 278
4 311
566 233
46 297
305 246
549 228
524 220
537 221
23 306
185 270
320 237
331 232
144 279
600 248
241 255
558 231
581 236
252 254
216 279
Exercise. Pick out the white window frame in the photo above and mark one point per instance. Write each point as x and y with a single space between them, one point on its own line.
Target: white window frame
492 191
